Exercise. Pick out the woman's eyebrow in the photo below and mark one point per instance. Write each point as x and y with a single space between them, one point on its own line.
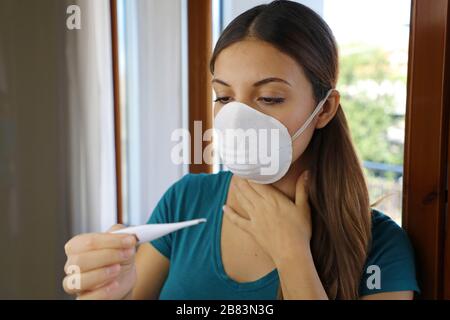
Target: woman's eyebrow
256 84
220 81
272 79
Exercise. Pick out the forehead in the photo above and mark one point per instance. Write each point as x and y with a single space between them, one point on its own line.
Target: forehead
251 60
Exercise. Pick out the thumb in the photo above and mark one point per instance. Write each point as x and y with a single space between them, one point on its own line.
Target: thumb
116 227
301 188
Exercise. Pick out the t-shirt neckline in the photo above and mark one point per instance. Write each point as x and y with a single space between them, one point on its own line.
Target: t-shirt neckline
242 286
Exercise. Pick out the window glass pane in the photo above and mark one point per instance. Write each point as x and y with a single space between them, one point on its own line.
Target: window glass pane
372 82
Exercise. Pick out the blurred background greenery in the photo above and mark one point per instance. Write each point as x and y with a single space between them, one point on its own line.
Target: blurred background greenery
373 87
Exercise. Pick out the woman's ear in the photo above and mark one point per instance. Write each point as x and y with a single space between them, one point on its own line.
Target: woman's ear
329 109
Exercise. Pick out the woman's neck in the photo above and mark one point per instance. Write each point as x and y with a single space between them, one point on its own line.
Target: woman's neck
288 183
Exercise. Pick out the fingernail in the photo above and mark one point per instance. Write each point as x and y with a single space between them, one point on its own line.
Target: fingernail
127 253
113 269
128 241
306 175
112 286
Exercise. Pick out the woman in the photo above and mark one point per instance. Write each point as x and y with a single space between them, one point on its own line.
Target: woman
306 232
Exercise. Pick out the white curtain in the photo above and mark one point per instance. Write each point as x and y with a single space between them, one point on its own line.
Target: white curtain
155 100
91 119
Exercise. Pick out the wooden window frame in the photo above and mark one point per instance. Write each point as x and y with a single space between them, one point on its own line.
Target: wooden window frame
426 145
117 115
199 83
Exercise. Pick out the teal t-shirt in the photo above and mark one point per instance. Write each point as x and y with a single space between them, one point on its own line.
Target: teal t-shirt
196 269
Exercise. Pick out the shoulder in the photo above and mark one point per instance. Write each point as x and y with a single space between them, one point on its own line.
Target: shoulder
190 196
387 236
194 190
390 264
203 178
195 183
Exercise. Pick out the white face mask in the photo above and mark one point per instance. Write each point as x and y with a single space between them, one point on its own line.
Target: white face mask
254 145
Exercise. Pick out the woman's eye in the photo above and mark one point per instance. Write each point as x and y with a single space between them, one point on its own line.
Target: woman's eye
271 100
265 100
222 100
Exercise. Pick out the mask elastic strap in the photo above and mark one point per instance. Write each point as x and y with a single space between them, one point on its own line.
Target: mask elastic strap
311 117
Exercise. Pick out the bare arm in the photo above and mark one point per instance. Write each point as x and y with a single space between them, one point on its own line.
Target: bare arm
306 283
398 295
152 268
299 278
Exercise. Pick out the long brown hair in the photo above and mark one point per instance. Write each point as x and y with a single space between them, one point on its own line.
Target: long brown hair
338 195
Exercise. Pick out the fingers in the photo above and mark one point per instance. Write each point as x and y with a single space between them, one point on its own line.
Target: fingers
243 200
79 282
116 289
116 227
104 293
247 189
95 241
301 193
266 191
92 260
236 219
96 261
